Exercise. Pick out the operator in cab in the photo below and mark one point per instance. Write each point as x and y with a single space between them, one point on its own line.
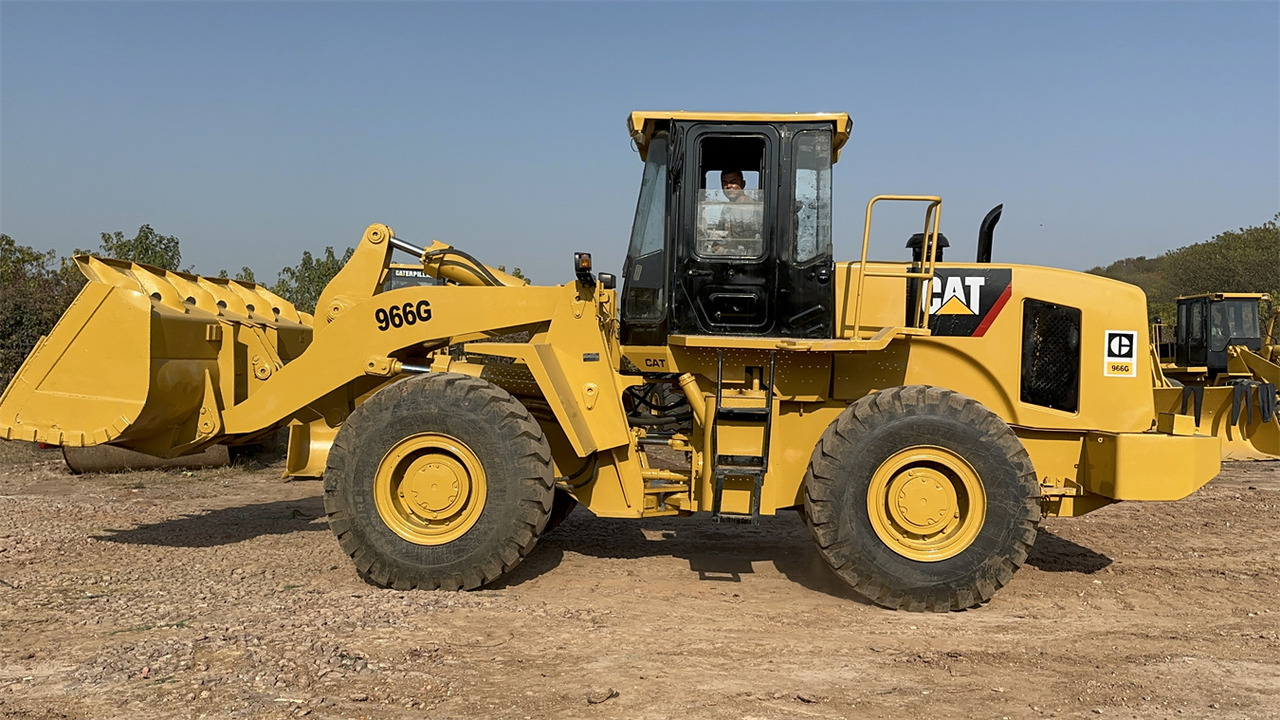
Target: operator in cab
738 230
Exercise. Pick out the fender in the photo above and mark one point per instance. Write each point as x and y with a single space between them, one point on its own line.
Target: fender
576 369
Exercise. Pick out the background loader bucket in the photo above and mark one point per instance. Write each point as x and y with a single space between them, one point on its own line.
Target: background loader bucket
144 358
1242 418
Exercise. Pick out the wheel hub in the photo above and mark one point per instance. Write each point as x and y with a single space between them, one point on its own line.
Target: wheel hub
430 489
434 485
926 503
922 500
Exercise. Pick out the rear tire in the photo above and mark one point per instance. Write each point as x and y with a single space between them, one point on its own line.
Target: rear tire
440 481
922 499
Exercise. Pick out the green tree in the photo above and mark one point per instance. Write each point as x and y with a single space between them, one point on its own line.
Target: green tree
1244 260
19 261
303 283
1141 271
245 274
34 292
517 272
148 247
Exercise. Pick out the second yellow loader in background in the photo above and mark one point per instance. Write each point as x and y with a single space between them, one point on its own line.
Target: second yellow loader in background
1221 365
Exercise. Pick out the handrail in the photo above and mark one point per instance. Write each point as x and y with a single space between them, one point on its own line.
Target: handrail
932 217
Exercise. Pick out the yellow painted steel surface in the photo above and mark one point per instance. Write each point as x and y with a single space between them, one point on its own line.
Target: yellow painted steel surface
1232 400
812 389
988 368
1243 362
189 361
818 379
217 365
167 363
1226 296
49 399
1248 437
643 123
1149 466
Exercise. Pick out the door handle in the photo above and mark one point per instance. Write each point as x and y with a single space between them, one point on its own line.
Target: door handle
697 271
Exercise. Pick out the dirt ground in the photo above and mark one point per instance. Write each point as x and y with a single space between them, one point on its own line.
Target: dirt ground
222 594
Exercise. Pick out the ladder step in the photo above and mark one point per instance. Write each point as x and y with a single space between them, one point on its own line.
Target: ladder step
739 470
743 414
736 461
733 518
756 476
671 488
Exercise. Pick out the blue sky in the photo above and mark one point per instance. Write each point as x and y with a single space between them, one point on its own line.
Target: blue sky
255 131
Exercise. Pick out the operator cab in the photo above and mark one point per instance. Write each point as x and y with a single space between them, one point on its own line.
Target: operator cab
712 256
402 275
1208 324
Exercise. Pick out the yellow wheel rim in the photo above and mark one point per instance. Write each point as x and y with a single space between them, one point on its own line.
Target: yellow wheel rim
926 503
430 489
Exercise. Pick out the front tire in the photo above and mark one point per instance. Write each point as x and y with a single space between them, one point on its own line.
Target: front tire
440 481
922 499
563 504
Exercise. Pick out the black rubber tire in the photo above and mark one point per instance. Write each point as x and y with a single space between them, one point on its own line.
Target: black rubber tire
504 437
872 430
563 504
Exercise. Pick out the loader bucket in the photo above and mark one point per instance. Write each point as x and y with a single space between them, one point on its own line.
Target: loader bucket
139 360
1243 418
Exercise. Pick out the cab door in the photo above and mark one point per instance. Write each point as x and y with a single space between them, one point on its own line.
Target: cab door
756 262
725 270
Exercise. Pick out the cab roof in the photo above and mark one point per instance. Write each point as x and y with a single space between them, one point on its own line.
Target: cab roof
642 124
1226 296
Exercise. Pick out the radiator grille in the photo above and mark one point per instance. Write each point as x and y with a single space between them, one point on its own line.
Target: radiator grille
1051 355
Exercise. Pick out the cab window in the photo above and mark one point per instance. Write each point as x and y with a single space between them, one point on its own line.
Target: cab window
644 295
730 220
813 195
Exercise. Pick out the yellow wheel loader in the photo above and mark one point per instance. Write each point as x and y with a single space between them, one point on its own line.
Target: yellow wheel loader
1222 366
923 415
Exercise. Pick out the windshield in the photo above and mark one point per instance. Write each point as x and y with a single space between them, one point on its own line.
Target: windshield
645 272
1232 322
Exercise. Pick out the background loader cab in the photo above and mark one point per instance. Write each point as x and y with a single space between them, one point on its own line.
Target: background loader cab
1208 324
702 262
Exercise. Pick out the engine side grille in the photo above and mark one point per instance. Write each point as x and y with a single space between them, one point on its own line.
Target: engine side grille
1051 355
